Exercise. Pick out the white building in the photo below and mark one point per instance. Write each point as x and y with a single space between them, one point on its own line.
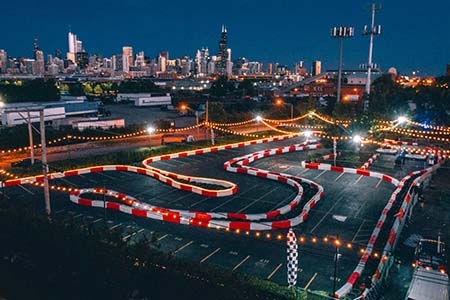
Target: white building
145 99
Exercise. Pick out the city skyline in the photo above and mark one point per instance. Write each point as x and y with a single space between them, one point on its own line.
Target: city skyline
257 38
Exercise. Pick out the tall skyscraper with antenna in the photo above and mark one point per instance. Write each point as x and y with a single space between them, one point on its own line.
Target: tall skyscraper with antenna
222 55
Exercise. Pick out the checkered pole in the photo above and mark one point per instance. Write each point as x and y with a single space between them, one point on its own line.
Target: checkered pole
292 258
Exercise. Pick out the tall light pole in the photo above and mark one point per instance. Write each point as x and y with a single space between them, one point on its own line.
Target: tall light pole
341 33
280 101
337 244
150 130
186 107
30 137
374 30
44 163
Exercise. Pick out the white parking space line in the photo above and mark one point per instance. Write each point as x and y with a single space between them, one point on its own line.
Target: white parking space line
183 247
378 183
59 211
67 181
163 237
359 229
209 255
198 202
310 281
115 226
250 204
4 195
26 190
274 271
107 176
326 215
223 203
240 264
320 174
359 178
77 216
302 172
340 175
132 234
98 220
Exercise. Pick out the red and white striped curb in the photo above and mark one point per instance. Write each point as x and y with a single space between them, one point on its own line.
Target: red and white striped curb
363 172
370 161
398 220
136 207
401 143
229 187
346 288
207 219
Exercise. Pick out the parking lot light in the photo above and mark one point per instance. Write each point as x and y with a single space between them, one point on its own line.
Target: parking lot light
258 118
402 119
357 139
151 130
307 133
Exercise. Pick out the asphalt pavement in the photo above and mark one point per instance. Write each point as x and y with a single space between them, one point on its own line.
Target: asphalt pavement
349 210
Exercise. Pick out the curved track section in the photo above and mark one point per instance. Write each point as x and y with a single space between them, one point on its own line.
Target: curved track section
228 220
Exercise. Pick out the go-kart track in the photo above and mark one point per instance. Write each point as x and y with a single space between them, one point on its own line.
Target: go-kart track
232 206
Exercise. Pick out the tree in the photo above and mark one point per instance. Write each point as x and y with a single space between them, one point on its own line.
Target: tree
75 89
221 87
37 90
305 106
216 112
246 88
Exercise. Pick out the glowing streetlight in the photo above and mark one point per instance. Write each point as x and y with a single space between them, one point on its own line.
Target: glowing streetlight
151 130
402 119
307 133
258 118
357 139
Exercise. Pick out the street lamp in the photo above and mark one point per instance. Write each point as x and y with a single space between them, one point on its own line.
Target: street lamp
341 33
280 102
150 130
307 133
337 244
186 107
402 119
357 139
258 120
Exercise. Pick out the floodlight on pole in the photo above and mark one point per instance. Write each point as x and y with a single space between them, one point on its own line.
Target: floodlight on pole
307 133
402 119
341 33
371 32
357 139
258 118
151 130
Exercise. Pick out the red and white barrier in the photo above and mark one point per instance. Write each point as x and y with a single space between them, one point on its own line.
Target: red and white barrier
400 143
328 167
222 220
370 161
400 218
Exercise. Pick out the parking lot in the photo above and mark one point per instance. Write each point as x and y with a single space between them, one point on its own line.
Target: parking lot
349 210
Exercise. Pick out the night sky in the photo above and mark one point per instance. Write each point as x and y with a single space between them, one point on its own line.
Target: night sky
416 34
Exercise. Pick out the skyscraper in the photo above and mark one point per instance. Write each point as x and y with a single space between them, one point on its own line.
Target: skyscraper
75 46
3 61
316 67
128 51
39 67
222 55
229 64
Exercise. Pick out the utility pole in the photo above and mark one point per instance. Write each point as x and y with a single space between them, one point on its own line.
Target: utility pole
30 136
44 163
341 33
374 30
